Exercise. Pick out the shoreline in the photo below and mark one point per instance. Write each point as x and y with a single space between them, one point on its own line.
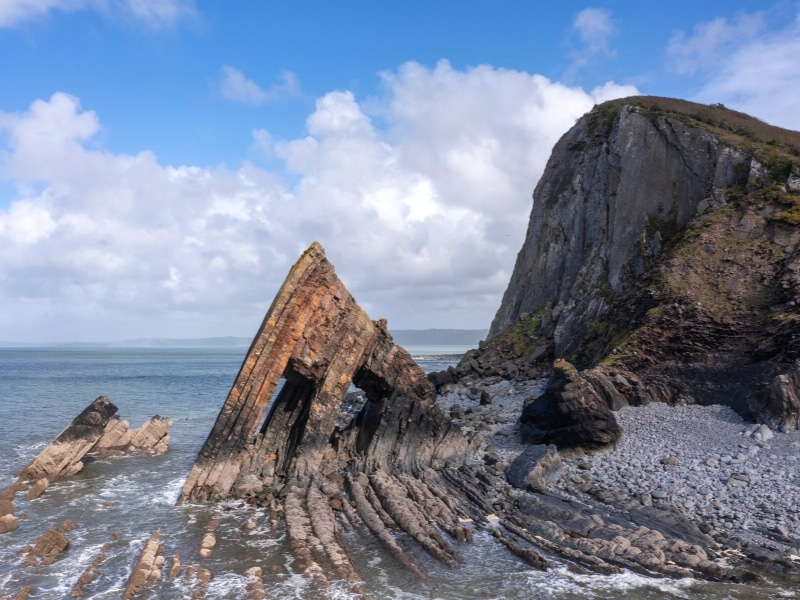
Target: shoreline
700 464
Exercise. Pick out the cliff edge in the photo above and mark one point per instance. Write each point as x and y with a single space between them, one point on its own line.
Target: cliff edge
663 243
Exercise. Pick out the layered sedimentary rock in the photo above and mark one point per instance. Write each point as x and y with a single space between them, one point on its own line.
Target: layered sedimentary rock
150 438
95 431
63 456
394 464
663 242
315 341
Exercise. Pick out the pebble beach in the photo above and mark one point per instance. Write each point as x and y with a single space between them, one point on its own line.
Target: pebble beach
732 477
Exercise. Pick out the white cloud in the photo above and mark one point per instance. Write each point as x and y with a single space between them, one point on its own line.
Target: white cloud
711 42
153 13
746 66
235 86
422 217
595 28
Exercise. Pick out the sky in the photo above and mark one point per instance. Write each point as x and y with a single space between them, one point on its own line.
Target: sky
163 163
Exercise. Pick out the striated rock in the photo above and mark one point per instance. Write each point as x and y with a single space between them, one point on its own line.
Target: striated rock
38 488
317 340
662 243
535 468
569 413
47 548
147 570
63 455
118 439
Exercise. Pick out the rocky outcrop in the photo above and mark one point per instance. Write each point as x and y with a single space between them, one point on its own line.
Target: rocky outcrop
148 568
64 455
663 242
569 414
151 438
308 451
94 432
393 461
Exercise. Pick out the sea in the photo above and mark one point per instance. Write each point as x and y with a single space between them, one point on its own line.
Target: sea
119 502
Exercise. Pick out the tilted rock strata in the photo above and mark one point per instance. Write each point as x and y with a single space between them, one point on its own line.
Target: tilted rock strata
63 456
118 439
319 340
664 241
94 431
395 464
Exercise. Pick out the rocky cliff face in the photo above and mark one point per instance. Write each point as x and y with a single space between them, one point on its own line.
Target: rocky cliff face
664 241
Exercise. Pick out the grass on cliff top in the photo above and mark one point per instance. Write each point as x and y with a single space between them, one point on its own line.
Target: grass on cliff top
776 147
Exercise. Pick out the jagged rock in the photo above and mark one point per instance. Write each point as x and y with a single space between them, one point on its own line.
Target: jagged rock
147 571
778 404
535 468
569 413
663 243
318 340
63 455
150 438
46 549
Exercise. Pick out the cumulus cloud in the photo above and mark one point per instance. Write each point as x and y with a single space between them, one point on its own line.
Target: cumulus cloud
595 28
746 66
235 86
153 13
422 215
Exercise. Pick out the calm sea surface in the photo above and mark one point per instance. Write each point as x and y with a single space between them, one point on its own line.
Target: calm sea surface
42 390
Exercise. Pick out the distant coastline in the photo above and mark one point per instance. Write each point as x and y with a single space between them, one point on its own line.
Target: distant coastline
403 337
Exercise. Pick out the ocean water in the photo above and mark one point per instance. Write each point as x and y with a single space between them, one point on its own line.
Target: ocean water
120 501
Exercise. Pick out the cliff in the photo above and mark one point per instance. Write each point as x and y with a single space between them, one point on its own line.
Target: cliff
664 242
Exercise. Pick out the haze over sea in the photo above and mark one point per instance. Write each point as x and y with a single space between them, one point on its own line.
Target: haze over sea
43 389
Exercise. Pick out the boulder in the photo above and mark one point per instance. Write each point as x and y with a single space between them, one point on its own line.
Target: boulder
8 523
46 549
38 488
535 468
569 414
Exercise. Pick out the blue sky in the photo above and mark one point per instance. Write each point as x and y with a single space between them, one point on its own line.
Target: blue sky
164 162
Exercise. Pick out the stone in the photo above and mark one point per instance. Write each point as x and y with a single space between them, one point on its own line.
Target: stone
621 194
46 549
38 488
151 438
317 341
63 455
8 523
763 433
535 468
145 573
569 414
